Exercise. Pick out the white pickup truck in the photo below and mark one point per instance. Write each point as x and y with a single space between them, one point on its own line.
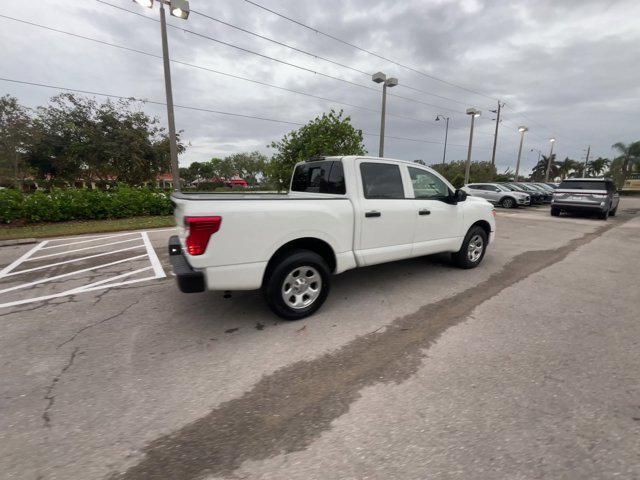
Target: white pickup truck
340 213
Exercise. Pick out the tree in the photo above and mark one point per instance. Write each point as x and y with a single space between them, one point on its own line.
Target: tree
566 167
248 166
597 167
15 125
330 134
76 138
454 172
630 154
539 171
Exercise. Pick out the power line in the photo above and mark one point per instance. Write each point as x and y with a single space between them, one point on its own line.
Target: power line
199 109
200 67
284 62
344 42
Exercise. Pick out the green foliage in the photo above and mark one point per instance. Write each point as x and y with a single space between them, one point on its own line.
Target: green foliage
454 172
330 134
75 138
15 128
81 204
248 166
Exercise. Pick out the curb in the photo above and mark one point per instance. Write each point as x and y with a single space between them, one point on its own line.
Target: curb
17 241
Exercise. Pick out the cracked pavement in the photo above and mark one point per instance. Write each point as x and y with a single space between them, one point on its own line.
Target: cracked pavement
526 367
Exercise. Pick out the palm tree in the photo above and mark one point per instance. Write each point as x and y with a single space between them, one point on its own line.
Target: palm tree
596 167
567 166
630 154
539 170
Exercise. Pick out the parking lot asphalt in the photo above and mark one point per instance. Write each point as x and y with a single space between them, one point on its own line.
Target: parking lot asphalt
526 367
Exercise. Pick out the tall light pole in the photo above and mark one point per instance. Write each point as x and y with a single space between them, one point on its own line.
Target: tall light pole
546 175
473 112
380 77
180 9
521 129
446 135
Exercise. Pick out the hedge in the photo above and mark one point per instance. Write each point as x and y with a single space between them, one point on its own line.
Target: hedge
80 204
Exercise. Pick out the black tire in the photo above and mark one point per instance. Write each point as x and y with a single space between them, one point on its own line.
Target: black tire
280 270
508 202
555 212
604 215
613 212
462 257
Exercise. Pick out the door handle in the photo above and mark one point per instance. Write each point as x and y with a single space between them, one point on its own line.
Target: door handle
372 213
424 212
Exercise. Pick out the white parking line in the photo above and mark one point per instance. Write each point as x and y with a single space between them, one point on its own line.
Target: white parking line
80 249
80 289
48 279
5 271
87 241
112 281
74 260
153 258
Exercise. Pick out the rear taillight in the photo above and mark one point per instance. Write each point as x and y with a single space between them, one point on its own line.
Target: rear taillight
200 230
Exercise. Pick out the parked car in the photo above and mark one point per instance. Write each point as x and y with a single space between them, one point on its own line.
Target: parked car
598 195
341 213
553 185
536 197
498 194
545 197
544 186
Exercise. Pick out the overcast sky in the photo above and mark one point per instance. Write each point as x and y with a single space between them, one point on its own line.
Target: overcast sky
565 68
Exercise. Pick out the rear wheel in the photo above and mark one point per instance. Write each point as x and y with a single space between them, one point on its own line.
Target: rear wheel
508 202
613 212
473 248
605 215
297 284
555 212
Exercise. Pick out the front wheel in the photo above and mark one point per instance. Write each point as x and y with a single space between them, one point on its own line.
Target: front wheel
473 248
508 202
555 212
297 285
605 215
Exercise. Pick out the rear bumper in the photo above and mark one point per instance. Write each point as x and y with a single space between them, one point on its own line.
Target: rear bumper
189 280
575 206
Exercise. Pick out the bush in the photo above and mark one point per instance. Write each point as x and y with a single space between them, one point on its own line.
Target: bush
80 204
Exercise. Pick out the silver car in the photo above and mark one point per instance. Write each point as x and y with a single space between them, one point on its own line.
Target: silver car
498 194
598 195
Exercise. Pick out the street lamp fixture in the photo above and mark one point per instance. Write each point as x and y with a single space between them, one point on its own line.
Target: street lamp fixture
522 129
380 77
552 140
180 9
473 113
446 135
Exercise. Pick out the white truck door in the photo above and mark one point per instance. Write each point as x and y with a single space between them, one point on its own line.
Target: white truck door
438 223
385 215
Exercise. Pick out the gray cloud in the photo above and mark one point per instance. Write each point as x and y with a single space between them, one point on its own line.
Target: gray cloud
570 67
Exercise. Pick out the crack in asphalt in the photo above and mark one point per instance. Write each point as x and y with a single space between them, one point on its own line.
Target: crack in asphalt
288 409
49 394
87 327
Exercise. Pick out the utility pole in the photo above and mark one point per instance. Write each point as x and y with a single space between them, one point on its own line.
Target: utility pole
446 135
586 162
495 135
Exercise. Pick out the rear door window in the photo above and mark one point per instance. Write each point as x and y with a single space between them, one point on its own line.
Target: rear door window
319 177
381 180
583 185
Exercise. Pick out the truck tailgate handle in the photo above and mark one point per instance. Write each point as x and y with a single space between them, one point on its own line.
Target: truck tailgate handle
424 212
372 213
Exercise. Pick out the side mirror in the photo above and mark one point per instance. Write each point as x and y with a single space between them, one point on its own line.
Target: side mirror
458 196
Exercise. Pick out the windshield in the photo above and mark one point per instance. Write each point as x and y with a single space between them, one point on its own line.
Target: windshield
502 188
